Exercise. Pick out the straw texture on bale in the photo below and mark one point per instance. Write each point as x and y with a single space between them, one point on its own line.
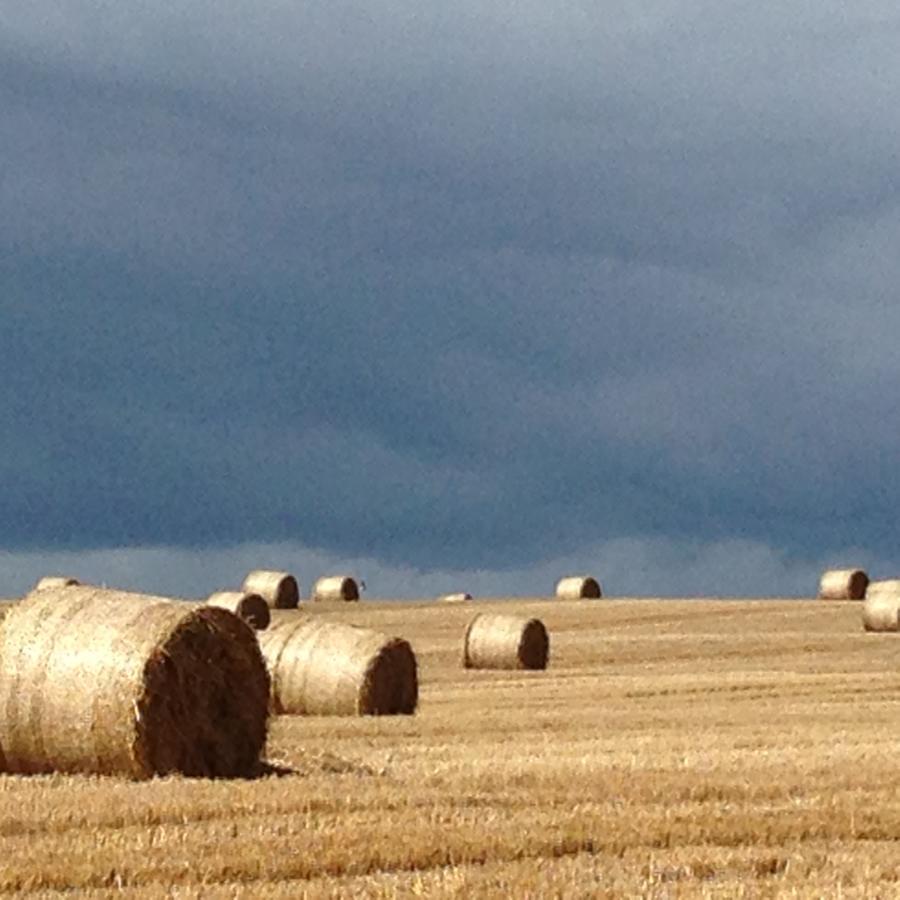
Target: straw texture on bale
56 581
578 587
498 641
330 669
843 584
455 598
279 589
888 587
108 682
252 608
335 588
882 612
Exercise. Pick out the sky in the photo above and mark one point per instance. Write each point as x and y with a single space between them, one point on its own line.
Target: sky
452 299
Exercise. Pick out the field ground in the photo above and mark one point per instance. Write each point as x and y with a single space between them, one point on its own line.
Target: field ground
672 749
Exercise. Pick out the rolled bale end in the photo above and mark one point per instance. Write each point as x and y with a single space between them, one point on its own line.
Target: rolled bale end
391 681
882 612
54 582
578 587
498 641
279 589
252 608
335 589
109 682
843 584
331 669
455 598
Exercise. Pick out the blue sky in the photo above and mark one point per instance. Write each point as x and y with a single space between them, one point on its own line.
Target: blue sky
452 298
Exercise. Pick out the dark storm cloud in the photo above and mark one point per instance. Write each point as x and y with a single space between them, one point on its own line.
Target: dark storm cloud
455 290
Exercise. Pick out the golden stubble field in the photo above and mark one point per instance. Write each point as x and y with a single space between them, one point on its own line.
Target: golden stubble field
673 749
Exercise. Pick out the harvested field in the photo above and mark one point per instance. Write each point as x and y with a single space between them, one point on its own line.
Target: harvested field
671 749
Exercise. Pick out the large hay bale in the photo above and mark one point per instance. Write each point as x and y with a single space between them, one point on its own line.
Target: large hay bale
330 669
108 682
54 582
843 584
455 598
279 589
578 587
335 588
498 641
252 608
882 612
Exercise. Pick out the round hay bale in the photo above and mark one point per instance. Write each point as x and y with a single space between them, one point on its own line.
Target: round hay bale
843 584
330 669
252 608
887 587
335 588
279 589
578 587
882 612
108 682
497 641
55 581
455 598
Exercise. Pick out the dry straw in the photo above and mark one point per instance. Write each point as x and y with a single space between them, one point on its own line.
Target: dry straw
279 589
331 669
252 608
843 584
497 641
578 587
887 587
335 588
881 612
108 682
54 582
455 598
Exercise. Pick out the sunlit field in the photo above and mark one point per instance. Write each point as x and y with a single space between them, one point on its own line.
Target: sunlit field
672 749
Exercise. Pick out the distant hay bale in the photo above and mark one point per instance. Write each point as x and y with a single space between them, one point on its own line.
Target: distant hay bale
335 588
252 608
330 669
109 682
497 641
886 587
54 582
843 584
455 598
881 612
279 589
578 587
